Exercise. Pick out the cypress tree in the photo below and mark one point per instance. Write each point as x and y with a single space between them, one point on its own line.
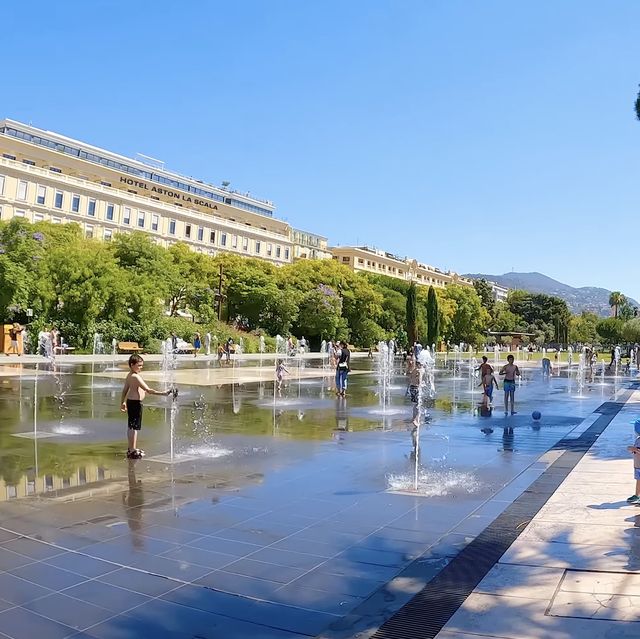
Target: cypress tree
433 318
412 315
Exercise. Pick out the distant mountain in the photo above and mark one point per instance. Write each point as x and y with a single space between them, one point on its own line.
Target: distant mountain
586 298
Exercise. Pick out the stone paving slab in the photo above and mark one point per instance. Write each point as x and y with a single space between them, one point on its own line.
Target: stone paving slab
574 570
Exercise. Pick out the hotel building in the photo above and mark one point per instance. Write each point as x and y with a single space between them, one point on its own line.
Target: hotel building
45 176
369 260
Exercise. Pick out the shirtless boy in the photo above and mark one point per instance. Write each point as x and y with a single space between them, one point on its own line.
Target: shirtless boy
133 393
510 372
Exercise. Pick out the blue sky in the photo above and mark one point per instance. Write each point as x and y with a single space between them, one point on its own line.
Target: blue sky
475 136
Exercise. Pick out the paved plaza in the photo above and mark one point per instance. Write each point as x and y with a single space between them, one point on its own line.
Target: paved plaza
280 516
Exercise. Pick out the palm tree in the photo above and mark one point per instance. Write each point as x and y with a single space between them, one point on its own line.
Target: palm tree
616 298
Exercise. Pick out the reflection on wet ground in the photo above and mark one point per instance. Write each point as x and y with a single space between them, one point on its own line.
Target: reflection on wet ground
280 512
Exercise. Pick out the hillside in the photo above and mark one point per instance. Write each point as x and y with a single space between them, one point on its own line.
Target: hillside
585 298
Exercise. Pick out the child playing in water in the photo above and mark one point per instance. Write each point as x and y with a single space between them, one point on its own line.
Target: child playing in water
133 393
488 382
635 450
280 371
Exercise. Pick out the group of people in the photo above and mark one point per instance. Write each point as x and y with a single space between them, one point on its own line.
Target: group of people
510 371
340 358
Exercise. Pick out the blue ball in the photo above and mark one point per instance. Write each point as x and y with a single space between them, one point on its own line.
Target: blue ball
536 415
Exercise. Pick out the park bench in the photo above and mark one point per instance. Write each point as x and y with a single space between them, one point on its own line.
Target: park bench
129 347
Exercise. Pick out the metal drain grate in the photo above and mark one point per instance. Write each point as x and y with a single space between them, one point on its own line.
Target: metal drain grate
425 615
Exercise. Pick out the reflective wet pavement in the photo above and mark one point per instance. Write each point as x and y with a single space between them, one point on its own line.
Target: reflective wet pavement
275 520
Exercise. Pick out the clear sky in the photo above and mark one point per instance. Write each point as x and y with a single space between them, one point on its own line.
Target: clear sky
474 135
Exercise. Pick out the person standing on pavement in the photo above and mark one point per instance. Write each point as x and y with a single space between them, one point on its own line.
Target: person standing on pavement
342 369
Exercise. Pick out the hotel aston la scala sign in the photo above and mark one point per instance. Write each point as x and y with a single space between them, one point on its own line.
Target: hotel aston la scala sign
183 197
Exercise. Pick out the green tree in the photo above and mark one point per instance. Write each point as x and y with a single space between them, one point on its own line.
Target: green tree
626 310
412 314
616 298
582 328
433 317
470 319
631 330
610 330
320 315
485 293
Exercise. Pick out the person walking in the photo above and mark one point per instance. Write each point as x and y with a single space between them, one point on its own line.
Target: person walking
342 369
197 344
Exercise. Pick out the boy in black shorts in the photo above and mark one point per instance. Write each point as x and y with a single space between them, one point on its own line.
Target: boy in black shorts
134 391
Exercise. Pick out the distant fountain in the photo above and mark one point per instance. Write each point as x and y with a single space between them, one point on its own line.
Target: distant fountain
456 361
616 359
496 354
207 343
473 373
603 365
240 346
581 371
98 346
384 368
261 346
323 346
45 344
569 356
281 346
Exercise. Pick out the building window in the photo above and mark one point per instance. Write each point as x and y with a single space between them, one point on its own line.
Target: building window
155 222
200 234
20 213
278 251
75 203
245 244
223 239
58 199
8 156
1 184
82 475
109 215
108 234
48 482
126 215
88 231
269 249
91 207
38 217
29 162
12 492
286 254
257 248
234 241
212 237
22 190
172 227
56 220
54 169
187 230
42 194
141 216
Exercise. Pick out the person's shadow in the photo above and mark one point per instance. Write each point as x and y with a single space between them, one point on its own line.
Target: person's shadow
133 501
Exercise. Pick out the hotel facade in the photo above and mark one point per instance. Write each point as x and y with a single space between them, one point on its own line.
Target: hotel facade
363 259
45 176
